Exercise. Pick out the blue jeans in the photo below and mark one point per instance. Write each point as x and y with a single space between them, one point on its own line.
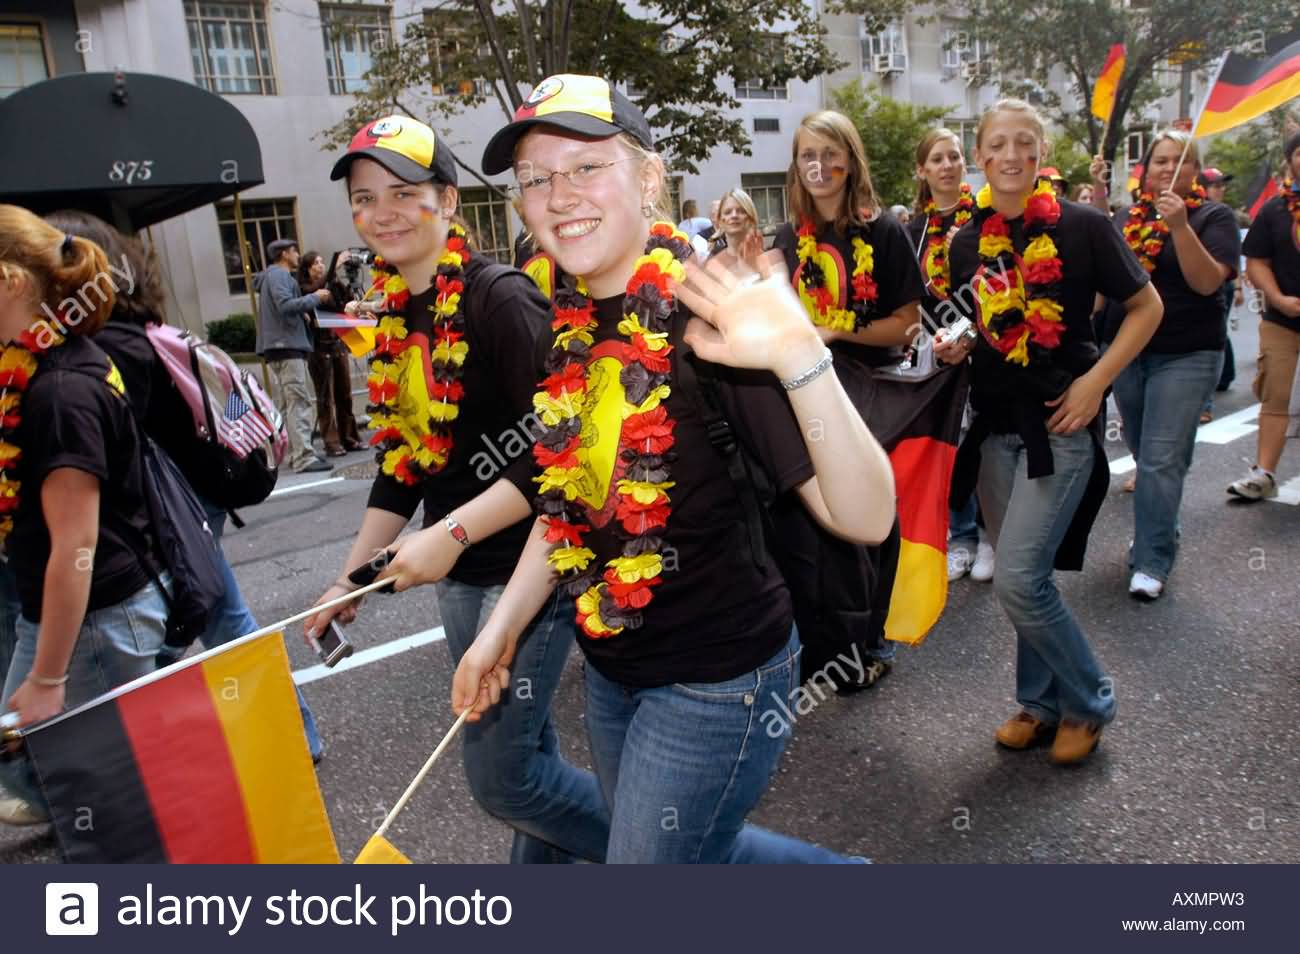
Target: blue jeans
963 531
10 609
115 645
1173 388
1057 675
512 758
682 765
231 619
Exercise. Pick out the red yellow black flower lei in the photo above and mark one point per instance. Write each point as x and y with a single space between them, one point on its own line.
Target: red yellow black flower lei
934 259
817 297
608 606
18 365
1292 199
1146 232
1020 310
412 427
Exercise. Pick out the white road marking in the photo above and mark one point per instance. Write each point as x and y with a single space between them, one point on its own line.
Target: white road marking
1223 431
294 488
372 655
1288 493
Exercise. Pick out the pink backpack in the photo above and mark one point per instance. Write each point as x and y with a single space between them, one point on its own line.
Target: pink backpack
237 426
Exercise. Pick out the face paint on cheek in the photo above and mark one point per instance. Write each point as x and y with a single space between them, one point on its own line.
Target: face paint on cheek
427 212
360 217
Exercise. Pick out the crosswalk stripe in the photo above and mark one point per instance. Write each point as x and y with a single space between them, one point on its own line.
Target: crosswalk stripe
374 654
1223 431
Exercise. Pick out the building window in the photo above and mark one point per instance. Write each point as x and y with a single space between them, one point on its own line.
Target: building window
488 215
22 57
890 40
265 220
675 184
961 48
452 53
229 47
772 49
767 189
353 35
1136 146
767 125
965 130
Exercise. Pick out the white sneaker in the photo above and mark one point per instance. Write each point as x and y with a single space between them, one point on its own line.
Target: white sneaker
1147 587
16 811
959 561
985 562
1257 485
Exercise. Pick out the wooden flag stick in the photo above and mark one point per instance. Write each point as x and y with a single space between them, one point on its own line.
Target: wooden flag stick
419 778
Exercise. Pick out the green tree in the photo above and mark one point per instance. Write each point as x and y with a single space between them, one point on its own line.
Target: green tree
1034 43
671 53
890 130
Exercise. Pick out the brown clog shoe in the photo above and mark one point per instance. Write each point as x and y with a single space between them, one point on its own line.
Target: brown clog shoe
1075 741
1023 731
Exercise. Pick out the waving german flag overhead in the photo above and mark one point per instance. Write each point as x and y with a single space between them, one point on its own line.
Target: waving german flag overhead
1103 91
1245 88
203 762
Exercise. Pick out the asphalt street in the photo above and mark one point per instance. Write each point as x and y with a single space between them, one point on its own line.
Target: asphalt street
1201 765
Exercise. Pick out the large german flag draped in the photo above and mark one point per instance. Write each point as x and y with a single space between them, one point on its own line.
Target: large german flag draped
1245 88
204 762
918 423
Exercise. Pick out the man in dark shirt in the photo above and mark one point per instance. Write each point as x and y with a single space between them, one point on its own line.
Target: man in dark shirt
1272 251
284 341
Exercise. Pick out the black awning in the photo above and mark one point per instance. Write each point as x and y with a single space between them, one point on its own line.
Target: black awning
132 148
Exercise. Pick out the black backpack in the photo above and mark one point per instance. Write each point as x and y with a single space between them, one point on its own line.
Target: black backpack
185 546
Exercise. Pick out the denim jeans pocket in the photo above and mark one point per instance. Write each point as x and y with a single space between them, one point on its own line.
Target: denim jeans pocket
745 687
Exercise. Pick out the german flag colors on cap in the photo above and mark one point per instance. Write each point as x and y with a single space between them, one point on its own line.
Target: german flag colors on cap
586 105
405 147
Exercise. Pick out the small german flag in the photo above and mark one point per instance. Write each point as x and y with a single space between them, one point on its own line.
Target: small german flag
203 762
1262 188
918 423
1103 91
1245 88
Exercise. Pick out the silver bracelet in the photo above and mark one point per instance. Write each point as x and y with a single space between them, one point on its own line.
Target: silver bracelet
812 374
46 681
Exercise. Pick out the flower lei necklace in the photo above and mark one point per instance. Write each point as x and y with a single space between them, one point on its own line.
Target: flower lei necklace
18 365
1146 232
1020 308
1292 199
812 281
934 260
609 605
405 449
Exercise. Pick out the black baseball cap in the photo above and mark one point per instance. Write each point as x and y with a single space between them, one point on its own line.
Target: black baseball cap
587 105
405 147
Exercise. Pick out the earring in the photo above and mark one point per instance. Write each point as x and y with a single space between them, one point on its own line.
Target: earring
648 210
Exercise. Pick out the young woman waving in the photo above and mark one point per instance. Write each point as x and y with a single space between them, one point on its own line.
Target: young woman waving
685 623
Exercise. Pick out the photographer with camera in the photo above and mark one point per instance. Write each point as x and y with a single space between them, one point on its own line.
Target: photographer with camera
328 364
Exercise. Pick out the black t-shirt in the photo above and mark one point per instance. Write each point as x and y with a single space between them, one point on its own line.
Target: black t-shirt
1275 237
1094 259
505 315
1192 322
716 614
75 414
898 279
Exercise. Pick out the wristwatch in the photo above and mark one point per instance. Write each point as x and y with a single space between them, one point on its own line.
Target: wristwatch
456 530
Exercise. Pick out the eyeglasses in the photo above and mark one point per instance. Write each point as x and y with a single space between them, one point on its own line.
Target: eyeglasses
580 178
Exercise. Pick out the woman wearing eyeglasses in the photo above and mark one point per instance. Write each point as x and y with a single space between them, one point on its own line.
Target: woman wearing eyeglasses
685 623
453 374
